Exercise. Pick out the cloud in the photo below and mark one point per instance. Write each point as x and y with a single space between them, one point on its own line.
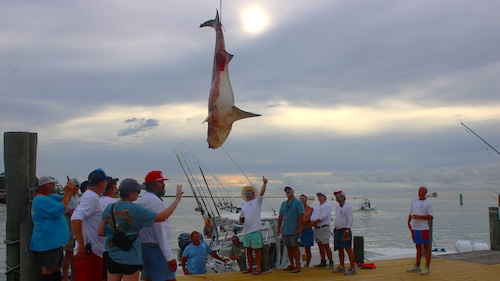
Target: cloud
349 91
138 126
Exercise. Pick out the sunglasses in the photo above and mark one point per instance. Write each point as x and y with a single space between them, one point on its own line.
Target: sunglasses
249 192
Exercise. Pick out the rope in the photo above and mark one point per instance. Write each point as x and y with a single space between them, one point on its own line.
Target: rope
7 242
220 8
10 269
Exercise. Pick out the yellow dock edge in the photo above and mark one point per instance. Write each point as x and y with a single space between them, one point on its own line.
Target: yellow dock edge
441 269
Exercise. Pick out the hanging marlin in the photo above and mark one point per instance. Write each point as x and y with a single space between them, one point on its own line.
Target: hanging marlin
221 109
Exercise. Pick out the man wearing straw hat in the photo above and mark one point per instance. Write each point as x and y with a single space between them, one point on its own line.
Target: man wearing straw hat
250 218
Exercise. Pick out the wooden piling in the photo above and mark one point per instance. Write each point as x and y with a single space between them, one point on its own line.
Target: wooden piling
20 170
359 249
494 221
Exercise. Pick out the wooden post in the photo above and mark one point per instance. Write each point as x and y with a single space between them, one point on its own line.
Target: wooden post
494 222
20 170
359 249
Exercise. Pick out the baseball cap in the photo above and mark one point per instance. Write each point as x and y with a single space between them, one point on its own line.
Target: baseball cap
321 193
43 180
130 185
83 186
75 180
111 181
155 175
96 176
340 192
287 187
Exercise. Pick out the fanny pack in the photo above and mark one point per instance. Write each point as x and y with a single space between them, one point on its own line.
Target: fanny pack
121 239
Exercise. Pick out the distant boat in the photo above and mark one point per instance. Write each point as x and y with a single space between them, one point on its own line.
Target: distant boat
366 205
433 194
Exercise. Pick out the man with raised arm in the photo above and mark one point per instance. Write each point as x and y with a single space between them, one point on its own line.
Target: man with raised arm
250 218
159 260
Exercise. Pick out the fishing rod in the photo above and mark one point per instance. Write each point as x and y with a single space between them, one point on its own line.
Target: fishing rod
196 194
480 138
199 186
231 203
201 193
208 188
189 181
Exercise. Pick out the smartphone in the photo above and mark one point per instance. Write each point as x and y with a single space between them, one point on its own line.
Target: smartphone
88 248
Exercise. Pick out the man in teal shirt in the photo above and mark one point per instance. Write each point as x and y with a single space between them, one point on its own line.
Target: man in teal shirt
289 226
50 228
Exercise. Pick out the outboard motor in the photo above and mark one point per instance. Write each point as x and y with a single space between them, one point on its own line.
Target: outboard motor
184 239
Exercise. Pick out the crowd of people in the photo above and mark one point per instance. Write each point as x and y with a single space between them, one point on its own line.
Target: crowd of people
81 233
299 225
101 238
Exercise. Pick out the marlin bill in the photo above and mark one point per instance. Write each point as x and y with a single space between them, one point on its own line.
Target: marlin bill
221 109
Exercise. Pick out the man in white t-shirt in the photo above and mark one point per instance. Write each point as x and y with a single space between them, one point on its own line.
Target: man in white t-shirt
418 222
342 235
158 258
85 220
250 218
320 219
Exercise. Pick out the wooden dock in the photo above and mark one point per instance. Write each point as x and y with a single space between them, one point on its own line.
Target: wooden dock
478 265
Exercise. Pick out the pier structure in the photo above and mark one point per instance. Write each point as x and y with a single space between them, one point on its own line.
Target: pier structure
20 150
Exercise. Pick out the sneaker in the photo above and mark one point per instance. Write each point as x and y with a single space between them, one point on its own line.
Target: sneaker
351 271
415 268
330 265
339 269
425 271
322 264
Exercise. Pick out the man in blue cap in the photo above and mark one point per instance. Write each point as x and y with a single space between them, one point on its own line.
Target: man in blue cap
85 222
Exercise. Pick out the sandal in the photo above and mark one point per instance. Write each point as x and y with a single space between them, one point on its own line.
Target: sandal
256 272
249 270
289 268
296 270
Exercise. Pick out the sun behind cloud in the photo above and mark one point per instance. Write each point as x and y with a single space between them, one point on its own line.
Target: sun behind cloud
255 19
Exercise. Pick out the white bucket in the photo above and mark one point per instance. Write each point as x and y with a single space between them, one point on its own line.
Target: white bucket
463 246
477 246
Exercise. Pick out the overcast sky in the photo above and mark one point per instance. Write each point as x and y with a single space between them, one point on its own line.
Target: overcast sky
365 96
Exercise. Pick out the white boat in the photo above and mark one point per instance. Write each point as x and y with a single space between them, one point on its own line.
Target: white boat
366 205
221 216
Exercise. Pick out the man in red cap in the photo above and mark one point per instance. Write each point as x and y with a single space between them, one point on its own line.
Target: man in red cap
158 259
342 239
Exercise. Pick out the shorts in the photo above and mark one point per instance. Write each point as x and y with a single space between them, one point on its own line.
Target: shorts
420 236
339 242
252 240
119 268
307 238
51 258
290 240
88 268
68 247
155 265
322 234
